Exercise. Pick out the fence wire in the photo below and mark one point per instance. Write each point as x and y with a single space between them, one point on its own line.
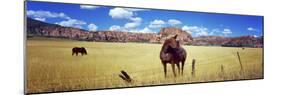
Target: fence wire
115 78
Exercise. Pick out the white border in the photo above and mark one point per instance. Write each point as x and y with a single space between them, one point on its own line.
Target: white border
11 64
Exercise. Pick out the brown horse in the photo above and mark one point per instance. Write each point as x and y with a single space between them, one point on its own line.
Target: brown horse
77 50
172 53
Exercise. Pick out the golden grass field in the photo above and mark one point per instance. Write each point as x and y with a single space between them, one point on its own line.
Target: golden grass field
51 67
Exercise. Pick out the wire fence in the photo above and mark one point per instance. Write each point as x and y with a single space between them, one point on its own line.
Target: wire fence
113 77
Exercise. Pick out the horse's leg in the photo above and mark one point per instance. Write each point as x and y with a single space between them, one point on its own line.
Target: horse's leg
76 53
178 65
72 53
165 68
182 66
173 68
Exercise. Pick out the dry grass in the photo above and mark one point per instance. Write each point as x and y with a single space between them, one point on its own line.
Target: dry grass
51 67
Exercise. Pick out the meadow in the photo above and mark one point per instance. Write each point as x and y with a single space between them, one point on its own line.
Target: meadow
51 67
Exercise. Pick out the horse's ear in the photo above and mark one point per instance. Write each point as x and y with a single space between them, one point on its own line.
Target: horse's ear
175 37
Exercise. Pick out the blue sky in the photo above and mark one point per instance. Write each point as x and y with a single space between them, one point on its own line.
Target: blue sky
144 20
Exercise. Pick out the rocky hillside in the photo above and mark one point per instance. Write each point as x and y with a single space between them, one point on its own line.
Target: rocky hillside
245 41
114 36
42 29
210 40
38 28
183 36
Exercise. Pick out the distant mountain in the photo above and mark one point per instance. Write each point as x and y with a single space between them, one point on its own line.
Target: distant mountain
210 40
183 36
245 41
118 36
39 28
43 29
242 41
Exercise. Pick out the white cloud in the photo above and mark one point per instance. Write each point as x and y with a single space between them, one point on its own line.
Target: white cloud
226 31
120 13
72 23
134 24
252 29
198 31
119 28
92 27
136 19
222 32
203 33
194 28
124 13
131 25
215 31
128 14
160 23
68 22
115 28
40 19
146 30
191 28
46 14
174 22
255 36
156 23
89 7
186 28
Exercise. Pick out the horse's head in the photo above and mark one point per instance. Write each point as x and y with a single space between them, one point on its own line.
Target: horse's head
172 42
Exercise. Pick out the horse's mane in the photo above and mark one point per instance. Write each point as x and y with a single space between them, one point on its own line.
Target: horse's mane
165 45
168 41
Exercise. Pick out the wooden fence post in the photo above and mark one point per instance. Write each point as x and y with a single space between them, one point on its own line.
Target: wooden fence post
193 68
125 76
222 69
241 66
222 74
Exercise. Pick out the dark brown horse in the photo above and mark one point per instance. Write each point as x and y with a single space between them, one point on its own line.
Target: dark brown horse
172 53
77 50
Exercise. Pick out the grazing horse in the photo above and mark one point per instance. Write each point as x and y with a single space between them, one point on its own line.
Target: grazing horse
77 50
172 53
